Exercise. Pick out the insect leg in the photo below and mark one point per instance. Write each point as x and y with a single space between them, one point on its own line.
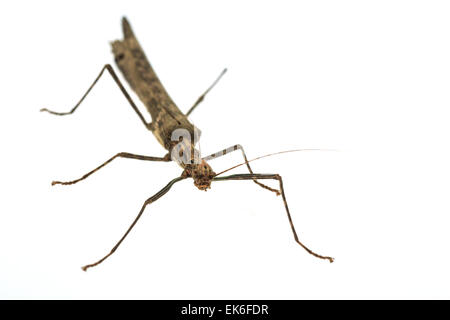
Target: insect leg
155 197
200 99
119 84
280 180
234 148
119 155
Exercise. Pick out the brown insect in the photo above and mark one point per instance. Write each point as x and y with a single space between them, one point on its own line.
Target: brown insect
171 128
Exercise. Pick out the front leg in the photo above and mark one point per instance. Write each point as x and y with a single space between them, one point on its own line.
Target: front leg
280 180
234 148
150 200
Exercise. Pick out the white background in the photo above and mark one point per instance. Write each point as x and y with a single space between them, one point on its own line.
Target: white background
370 78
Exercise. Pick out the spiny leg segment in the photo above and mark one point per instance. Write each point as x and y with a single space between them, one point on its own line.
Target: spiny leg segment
234 148
121 87
280 180
119 155
155 197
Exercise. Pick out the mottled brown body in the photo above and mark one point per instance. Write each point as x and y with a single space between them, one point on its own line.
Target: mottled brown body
132 62
166 119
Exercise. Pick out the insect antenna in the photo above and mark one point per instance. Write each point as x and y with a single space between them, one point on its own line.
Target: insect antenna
269 155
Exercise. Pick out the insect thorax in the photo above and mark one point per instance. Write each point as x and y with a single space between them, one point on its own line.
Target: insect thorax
188 157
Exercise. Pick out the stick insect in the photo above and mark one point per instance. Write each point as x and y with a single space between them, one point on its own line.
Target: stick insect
172 129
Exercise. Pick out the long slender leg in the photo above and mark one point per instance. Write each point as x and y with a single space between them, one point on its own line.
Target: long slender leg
119 155
155 197
119 84
200 99
274 177
234 148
